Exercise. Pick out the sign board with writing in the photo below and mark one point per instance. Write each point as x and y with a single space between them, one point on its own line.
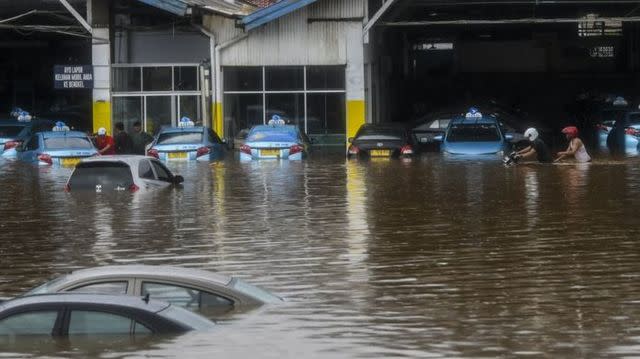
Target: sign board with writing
70 77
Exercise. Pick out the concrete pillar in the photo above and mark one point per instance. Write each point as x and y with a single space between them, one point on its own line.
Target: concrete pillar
98 15
356 114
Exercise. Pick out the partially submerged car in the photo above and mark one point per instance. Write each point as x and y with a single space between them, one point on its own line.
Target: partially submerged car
475 134
187 143
14 133
380 140
60 147
70 314
191 288
276 140
121 173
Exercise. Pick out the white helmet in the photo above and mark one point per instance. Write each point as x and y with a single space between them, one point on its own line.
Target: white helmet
102 131
531 134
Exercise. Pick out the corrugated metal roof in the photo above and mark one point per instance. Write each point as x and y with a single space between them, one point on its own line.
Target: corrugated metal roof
273 12
224 7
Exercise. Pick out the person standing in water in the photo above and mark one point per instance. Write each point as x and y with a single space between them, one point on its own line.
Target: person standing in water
576 146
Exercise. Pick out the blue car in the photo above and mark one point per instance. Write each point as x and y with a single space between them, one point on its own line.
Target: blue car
64 148
474 134
275 141
632 129
187 143
13 133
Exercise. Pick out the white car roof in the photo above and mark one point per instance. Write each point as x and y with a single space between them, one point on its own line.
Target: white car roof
149 271
128 159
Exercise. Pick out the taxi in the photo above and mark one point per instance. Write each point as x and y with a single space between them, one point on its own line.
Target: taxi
474 134
187 142
277 140
60 146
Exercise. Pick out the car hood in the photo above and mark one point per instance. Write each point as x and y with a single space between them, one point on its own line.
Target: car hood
473 148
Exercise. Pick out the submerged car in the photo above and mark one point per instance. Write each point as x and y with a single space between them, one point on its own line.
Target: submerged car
14 133
65 148
474 134
69 314
185 287
632 129
121 173
187 143
275 141
384 140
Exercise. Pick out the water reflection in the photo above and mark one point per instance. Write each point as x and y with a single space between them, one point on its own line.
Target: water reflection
428 257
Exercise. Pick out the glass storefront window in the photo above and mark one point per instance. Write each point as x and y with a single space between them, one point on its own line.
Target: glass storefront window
189 108
326 113
243 79
158 113
126 79
157 79
284 78
185 78
325 78
242 111
288 106
127 110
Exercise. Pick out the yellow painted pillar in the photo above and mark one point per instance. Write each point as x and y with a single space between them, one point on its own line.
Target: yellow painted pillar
102 115
98 16
217 119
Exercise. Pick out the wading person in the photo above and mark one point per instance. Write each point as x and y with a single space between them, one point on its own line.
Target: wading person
105 143
576 146
537 149
140 139
124 145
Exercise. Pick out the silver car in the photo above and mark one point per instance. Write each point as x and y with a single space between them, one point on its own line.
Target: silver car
190 288
121 173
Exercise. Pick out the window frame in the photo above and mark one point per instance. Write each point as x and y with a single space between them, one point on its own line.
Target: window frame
188 286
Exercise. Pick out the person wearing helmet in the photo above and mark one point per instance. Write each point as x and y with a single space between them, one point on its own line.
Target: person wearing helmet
537 149
105 143
576 146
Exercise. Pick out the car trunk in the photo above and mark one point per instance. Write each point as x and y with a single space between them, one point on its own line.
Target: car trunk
101 176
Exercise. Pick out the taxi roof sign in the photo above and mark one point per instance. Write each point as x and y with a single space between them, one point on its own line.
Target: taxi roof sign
620 101
473 113
186 122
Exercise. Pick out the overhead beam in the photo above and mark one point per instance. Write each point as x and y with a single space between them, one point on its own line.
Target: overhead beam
383 9
77 16
508 21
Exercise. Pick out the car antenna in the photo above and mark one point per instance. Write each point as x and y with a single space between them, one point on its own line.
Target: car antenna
146 298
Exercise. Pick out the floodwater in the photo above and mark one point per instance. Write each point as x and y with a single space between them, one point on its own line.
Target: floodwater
385 258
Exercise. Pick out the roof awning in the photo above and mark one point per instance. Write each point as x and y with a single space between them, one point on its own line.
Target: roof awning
273 12
181 7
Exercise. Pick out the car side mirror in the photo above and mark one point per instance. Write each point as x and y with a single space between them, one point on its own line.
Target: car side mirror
438 138
350 139
508 137
177 179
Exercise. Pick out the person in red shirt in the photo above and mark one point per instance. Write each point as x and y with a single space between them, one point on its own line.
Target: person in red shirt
105 143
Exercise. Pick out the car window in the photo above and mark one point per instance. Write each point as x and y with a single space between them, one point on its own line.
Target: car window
379 134
93 322
161 171
10 130
33 144
183 296
102 288
145 171
254 291
473 133
174 138
59 143
101 175
34 323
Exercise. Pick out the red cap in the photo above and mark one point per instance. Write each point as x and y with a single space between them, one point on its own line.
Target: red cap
571 131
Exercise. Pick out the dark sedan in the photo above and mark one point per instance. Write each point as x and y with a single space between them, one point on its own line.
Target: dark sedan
383 140
90 314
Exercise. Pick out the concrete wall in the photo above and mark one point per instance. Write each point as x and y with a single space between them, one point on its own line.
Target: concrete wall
160 47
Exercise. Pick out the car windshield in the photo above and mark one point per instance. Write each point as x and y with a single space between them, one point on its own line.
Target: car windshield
175 138
378 133
274 135
45 288
473 133
10 130
255 292
101 176
64 142
439 124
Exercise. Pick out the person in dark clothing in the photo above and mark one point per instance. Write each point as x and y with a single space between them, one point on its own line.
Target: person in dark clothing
140 139
537 148
124 145
616 140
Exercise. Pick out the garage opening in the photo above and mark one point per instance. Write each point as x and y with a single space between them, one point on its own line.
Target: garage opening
36 36
546 63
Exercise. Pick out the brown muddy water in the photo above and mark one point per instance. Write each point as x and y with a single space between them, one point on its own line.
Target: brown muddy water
423 258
